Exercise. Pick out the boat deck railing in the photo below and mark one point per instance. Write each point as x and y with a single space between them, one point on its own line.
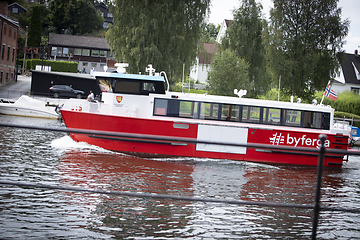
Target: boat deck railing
316 206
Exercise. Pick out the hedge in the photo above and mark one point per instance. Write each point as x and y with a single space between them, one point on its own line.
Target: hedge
56 66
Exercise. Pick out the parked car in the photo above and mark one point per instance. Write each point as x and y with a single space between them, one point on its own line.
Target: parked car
65 91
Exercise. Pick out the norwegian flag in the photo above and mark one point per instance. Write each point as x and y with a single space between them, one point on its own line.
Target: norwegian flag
330 93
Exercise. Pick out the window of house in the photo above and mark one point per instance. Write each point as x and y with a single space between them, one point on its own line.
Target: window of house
86 52
71 52
59 51
65 52
103 53
102 65
77 51
8 53
13 55
105 24
93 65
1 76
95 53
7 76
15 10
10 31
355 90
5 28
15 32
3 51
53 51
109 15
85 64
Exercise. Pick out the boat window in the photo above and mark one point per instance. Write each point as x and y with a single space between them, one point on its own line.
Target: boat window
148 87
127 87
188 109
209 111
251 114
105 85
292 118
160 107
230 112
271 116
316 120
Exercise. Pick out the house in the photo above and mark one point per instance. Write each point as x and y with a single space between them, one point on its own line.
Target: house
92 53
348 78
16 8
104 10
9 30
199 72
224 25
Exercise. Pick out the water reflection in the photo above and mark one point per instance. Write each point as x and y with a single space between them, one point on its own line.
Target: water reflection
53 158
124 216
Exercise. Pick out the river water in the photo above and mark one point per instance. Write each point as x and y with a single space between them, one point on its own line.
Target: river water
32 156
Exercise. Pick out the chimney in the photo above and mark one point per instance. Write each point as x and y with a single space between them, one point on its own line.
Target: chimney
4 8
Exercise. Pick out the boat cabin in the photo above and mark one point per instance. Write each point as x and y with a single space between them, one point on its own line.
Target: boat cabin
217 108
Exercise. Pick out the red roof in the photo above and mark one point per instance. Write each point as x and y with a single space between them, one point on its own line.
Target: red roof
207 50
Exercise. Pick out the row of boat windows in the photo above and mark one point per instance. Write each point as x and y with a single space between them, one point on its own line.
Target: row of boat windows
241 113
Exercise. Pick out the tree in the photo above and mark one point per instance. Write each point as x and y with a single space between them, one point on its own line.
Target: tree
162 33
228 72
76 17
306 36
244 37
209 32
34 39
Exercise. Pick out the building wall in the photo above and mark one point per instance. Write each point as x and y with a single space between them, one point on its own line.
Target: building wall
86 57
339 88
8 49
199 72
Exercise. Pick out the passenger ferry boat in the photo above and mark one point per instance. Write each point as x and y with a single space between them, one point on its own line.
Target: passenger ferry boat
140 105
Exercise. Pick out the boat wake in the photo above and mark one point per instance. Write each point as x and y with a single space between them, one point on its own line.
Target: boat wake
66 143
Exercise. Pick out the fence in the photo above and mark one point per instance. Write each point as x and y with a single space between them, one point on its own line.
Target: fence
316 207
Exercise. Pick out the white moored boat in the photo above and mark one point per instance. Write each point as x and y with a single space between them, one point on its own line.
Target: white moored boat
139 105
26 106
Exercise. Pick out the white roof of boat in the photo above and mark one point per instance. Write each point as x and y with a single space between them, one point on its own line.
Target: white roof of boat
129 76
249 101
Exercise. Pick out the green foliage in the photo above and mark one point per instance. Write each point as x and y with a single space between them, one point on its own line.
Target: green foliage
346 102
273 93
34 38
209 32
76 17
244 37
227 72
305 36
56 66
162 33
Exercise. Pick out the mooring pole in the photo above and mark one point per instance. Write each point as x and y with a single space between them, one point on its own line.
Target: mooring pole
318 185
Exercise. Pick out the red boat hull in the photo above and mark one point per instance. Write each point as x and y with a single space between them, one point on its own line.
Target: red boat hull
169 128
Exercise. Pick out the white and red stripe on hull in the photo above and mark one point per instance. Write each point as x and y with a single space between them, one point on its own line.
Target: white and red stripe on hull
196 131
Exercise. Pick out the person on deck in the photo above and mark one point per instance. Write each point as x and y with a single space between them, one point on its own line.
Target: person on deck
90 97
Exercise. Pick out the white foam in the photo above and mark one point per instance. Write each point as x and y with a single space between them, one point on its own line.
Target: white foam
67 143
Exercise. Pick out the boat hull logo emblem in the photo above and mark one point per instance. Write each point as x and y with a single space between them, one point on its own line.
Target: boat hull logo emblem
119 99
